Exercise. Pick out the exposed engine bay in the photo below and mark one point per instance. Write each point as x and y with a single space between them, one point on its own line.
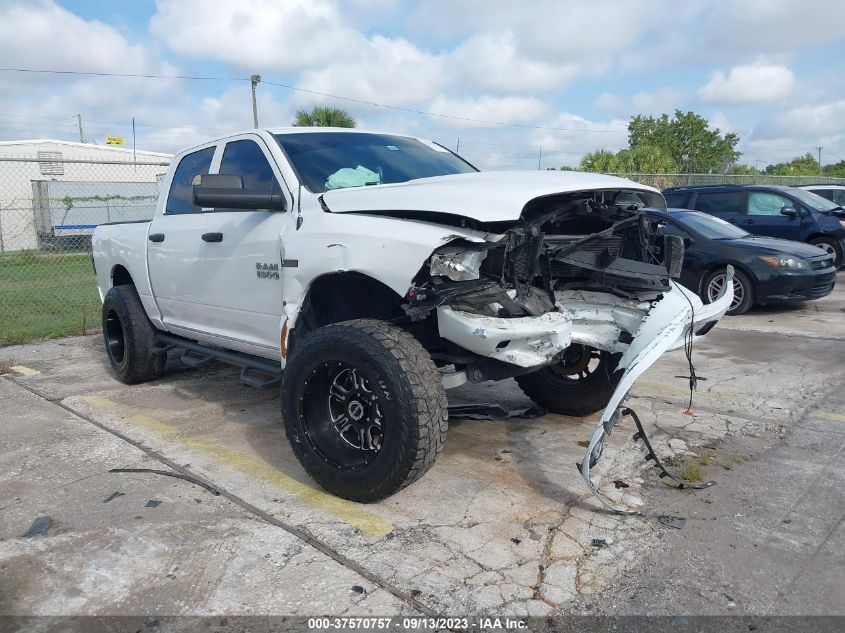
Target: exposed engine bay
580 267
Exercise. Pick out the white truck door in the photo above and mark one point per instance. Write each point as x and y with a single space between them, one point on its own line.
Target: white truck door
173 249
240 255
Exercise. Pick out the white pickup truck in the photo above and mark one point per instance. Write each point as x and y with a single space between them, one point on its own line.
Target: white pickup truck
370 272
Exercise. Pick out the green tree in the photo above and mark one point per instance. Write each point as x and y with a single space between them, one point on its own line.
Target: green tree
835 169
686 139
805 165
646 158
323 116
743 170
602 161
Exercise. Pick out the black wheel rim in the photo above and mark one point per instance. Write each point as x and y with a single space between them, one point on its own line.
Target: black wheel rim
115 338
342 415
579 363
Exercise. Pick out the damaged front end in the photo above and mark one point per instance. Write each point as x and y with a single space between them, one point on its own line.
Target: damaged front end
585 269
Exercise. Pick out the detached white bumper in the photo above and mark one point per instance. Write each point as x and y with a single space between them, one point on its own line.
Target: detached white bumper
662 330
523 341
590 318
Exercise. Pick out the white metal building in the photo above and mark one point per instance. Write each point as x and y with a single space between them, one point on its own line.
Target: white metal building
50 188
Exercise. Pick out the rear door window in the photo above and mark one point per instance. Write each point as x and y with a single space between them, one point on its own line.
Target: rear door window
719 202
181 196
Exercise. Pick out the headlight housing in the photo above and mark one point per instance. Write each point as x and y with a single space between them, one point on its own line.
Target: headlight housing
786 261
457 264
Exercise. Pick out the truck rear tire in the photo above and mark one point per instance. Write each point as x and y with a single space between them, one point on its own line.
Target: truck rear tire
364 408
579 385
130 337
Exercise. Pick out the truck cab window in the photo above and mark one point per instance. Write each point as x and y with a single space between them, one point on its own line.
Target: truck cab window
181 197
246 159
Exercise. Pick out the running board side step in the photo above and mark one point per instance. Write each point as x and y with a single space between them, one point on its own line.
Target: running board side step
255 372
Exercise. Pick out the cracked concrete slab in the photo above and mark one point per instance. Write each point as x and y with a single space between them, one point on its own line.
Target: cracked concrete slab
502 523
110 554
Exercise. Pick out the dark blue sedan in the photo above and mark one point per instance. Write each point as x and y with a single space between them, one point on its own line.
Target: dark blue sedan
768 270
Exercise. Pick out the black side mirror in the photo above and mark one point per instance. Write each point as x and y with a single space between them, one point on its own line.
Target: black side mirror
673 254
790 212
226 191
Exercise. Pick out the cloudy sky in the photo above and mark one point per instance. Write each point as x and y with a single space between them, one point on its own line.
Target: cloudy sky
564 76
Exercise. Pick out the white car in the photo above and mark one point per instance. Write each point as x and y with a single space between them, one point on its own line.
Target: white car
834 193
370 272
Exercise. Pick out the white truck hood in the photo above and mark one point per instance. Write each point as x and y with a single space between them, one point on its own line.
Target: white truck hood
488 196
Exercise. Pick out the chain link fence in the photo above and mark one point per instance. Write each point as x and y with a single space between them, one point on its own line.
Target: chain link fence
662 181
49 207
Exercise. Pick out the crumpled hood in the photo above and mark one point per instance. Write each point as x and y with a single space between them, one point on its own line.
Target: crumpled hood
489 196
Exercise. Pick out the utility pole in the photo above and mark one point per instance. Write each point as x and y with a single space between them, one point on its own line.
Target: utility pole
820 148
134 158
539 156
254 81
458 148
79 121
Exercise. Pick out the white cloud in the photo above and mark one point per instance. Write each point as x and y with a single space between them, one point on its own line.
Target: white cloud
773 27
41 34
255 34
744 84
811 122
492 61
382 70
657 102
577 136
490 109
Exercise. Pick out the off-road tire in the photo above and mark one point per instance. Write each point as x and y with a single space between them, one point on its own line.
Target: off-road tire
829 245
130 337
406 381
739 278
574 397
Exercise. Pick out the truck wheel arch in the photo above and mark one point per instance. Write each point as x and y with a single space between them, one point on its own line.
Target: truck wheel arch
120 276
344 296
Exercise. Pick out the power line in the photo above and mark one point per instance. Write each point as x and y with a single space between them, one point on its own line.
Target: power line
438 114
129 75
318 93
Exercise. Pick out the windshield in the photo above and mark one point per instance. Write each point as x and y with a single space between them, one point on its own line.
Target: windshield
335 160
809 199
708 226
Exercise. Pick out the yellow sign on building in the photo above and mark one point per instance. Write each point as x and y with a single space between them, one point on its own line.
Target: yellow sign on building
114 140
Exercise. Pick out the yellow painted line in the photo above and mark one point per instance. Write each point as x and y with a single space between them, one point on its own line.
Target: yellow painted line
347 511
24 371
151 425
102 403
829 415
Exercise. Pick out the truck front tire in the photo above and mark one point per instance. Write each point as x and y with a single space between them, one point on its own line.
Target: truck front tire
130 337
579 385
364 408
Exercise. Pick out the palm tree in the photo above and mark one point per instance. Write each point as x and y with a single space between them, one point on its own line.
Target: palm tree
323 116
